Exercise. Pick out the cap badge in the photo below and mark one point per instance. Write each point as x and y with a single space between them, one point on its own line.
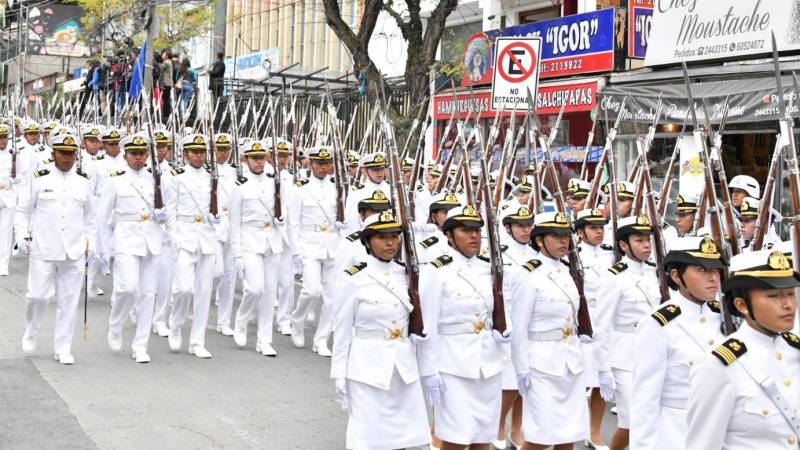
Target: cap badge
778 261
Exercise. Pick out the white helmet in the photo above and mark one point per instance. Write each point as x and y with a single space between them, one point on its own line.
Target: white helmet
747 184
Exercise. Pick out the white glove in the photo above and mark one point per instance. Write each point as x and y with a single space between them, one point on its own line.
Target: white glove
607 385
16 180
416 339
432 385
503 338
161 215
341 393
585 339
24 246
239 267
212 219
340 225
523 383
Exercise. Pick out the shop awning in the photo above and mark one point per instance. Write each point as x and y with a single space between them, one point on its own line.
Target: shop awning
749 100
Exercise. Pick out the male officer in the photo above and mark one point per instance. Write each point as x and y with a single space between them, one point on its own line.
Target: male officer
373 166
8 197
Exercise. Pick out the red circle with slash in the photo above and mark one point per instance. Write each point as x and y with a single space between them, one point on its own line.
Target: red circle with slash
526 72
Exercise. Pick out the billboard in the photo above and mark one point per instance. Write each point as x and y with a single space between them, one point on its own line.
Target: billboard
640 20
54 30
255 66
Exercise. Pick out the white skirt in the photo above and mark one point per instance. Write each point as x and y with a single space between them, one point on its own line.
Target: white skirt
509 374
554 409
470 409
387 419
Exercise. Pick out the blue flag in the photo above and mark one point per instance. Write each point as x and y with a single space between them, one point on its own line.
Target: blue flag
138 73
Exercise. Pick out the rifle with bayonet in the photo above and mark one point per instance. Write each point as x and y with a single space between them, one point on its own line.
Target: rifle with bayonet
765 213
608 148
412 189
589 141
158 200
717 230
213 206
663 198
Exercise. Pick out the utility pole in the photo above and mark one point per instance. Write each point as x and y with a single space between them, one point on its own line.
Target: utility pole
152 30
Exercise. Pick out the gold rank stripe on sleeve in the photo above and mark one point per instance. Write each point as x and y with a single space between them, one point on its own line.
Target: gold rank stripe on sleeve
442 261
792 339
354 236
618 268
729 351
352 270
429 242
531 265
664 315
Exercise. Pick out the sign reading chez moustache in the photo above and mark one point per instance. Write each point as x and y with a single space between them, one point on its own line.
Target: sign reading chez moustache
695 30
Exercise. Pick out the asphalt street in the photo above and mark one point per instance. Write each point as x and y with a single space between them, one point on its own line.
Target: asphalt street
237 399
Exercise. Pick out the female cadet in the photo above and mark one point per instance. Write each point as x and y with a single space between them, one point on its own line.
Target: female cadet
517 222
670 340
374 361
626 294
745 394
436 244
545 349
461 360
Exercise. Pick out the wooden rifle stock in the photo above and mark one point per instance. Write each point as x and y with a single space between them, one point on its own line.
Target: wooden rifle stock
763 220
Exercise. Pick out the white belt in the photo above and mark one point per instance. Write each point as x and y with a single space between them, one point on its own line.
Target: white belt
197 218
133 217
258 223
627 329
317 228
551 335
387 334
466 328
675 403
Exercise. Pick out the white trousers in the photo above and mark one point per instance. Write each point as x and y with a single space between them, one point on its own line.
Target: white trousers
166 271
318 280
285 289
224 282
259 288
191 287
46 279
6 236
134 287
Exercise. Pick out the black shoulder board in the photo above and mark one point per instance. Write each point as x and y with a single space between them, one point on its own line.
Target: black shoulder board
564 262
98 157
352 270
650 263
82 173
531 265
40 148
618 268
177 171
606 247
400 262
117 173
442 261
729 351
503 247
42 173
241 180
428 242
301 183
48 160
333 180
714 306
420 188
792 339
150 169
664 315
483 256
354 236
355 186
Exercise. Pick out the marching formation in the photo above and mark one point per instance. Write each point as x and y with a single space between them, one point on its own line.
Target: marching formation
494 297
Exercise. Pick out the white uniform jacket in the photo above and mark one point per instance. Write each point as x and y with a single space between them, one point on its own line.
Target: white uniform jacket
433 247
457 305
187 194
545 311
728 409
8 191
58 213
314 214
371 332
252 217
596 260
125 214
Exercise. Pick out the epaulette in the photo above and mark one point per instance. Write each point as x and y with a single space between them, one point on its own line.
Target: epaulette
207 165
150 169
177 171
400 262
442 261
792 339
428 242
82 173
729 351
354 236
483 257
41 173
48 160
241 180
606 247
503 247
618 268
98 157
333 180
420 188
352 270
301 183
354 187
564 262
664 315
650 263
116 173
39 148
714 306
531 265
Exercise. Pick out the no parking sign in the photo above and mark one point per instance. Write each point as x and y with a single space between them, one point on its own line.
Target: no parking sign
516 69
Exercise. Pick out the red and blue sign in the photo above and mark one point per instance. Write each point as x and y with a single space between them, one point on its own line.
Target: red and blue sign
640 19
572 45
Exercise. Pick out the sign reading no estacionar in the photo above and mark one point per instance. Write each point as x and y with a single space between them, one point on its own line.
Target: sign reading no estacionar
516 69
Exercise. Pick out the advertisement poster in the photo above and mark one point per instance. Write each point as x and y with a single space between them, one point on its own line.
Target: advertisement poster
640 20
55 29
255 66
